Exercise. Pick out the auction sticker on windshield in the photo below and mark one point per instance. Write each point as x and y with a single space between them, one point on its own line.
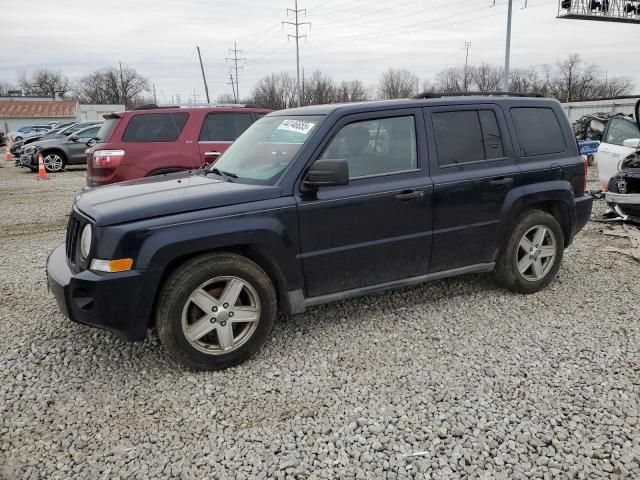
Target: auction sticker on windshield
299 126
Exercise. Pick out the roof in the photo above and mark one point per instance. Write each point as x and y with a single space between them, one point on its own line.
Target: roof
38 109
406 103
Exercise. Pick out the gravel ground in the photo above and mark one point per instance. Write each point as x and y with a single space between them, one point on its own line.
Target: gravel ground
474 381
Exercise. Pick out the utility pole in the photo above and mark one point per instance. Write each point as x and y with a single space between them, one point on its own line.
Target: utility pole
235 61
303 83
235 98
467 46
122 97
507 53
297 24
204 79
155 99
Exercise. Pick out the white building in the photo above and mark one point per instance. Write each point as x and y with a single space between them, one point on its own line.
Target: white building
575 110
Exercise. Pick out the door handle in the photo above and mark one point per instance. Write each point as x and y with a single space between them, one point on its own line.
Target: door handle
501 181
409 196
212 154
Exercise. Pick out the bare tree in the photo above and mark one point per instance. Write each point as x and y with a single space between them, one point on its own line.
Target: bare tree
226 98
351 91
398 84
112 85
526 80
319 89
44 82
275 91
450 80
486 77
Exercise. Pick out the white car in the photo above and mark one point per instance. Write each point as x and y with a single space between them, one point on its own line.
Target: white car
620 139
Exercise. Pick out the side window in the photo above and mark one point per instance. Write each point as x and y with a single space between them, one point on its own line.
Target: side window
155 127
224 127
374 147
89 133
620 130
538 131
467 136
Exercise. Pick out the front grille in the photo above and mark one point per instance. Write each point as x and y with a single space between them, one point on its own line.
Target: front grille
72 242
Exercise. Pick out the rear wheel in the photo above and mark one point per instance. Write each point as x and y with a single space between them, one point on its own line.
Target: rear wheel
53 162
215 311
531 258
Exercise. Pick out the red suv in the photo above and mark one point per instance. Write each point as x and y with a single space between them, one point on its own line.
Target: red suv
152 140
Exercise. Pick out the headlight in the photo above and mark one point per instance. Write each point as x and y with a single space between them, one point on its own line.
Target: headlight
29 150
85 241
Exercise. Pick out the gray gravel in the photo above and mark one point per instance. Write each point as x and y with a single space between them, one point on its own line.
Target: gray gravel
474 381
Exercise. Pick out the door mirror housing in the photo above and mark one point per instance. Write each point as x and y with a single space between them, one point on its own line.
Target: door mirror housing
632 143
327 173
74 138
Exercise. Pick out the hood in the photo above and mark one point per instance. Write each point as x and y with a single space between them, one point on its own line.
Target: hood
166 195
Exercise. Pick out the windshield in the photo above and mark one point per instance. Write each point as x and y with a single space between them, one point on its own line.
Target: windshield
263 152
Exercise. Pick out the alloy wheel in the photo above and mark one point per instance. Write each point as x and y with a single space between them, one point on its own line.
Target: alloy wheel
53 162
221 315
536 253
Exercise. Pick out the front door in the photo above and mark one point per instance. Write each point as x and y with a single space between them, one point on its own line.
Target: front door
473 170
219 131
76 148
376 229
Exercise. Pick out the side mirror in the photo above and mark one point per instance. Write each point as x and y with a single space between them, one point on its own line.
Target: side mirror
327 173
74 138
632 143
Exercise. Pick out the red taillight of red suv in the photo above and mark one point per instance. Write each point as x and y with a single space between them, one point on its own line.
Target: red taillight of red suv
107 158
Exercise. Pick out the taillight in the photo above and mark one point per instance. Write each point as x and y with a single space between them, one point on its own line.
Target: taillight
586 173
107 158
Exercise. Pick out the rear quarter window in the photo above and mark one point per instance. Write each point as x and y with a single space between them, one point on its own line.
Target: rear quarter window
538 130
155 127
105 129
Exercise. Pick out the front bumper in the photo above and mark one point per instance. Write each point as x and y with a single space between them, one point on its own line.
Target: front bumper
26 160
626 205
121 302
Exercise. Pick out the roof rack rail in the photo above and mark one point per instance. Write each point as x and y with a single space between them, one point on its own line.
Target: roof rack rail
153 106
425 95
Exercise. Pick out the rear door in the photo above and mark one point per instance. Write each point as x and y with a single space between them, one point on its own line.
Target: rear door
219 130
611 151
473 169
156 142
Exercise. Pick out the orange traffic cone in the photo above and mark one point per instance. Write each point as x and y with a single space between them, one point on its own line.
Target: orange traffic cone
8 158
42 172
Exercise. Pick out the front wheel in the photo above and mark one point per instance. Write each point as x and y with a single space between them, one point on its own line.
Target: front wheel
215 311
53 162
531 258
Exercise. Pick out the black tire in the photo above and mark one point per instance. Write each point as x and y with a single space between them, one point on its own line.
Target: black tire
590 160
507 273
187 279
59 156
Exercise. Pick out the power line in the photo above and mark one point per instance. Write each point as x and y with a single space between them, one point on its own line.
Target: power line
297 24
235 61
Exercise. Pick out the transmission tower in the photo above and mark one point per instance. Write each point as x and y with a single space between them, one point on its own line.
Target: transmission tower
235 60
297 24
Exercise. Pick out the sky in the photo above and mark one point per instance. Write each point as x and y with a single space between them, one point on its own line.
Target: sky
355 39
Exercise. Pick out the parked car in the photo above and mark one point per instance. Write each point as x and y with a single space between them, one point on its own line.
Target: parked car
58 132
3 139
22 132
612 149
323 203
58 152
156 140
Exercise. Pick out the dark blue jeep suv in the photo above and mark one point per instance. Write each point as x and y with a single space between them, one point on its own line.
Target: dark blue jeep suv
322 203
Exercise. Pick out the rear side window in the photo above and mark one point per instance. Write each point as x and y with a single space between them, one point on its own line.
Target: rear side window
224 127
155 127
467 136
538 130
105 130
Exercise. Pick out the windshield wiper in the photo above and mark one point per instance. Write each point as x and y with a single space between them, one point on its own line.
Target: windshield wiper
220 173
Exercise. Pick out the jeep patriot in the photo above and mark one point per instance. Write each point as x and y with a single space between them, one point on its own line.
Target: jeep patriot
323 203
